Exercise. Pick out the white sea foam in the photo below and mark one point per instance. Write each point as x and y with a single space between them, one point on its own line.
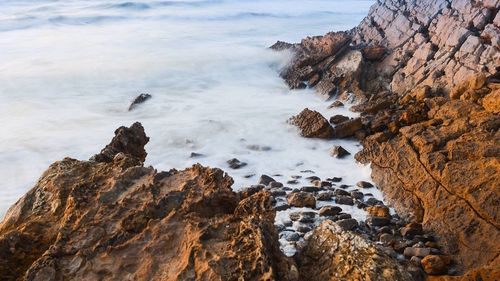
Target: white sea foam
69 69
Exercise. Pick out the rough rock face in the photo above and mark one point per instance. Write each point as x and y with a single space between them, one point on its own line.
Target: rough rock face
335 254
312 124
427 88
119 220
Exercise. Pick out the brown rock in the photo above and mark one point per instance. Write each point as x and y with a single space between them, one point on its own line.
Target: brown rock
301 199
129 141
491 102
312 124
435 265
118 220
378 211
339 152
337 119
373 53
347 128
335 254
329 211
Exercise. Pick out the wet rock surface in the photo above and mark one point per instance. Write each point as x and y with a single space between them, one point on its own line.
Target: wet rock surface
428 101
312 124
119 220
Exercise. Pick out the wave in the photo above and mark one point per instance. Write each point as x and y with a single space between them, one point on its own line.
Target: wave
130 6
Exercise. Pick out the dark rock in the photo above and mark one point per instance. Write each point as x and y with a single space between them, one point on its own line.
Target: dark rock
129 141
377 221
312 125
138 100
292 182
411 229
337 119
357 194
304 228
339 152
275 184
418 252
341 192
310 189
334 179
324 196
196 155
329 211
436 265
265 180
313 178
386 239
344 216
236 164
364 184
347 224
344 200
373 53
292 237
283 207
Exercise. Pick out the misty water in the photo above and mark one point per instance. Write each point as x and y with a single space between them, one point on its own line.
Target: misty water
69 70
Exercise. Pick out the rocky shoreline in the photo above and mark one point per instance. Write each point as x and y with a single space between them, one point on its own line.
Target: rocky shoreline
423 76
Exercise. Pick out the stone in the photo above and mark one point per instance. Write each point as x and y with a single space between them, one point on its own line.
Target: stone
373 53
341 192
329 211
344 200
417 252
292 237
312 125
411 229
275 184
347 128
336 103
357 195
138 100
339 152
347 224
128 141
337 119
310 189
335 179
302 199
386 239
196 155
304 228
324 196
236 164
265 180
435 265
379 211
364 184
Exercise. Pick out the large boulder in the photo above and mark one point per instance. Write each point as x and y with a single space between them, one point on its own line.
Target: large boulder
118 220
335 254
312 124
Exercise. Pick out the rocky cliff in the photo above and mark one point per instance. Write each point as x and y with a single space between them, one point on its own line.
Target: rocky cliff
111 218
425 78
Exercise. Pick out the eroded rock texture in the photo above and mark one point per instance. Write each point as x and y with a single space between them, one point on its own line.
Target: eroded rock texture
119 220
335 254
427 87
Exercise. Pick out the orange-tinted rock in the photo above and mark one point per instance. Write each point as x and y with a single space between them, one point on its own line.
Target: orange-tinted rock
435 265
312 124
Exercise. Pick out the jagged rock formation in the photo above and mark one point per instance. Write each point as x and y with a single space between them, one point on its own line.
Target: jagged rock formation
329 255
118 220
427 87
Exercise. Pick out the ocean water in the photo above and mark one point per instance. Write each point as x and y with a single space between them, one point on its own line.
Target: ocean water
69 70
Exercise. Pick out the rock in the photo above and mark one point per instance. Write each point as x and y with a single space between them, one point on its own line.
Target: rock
337 119
302 199
329 211
236 164
347 224
292 237
304 228
275 184
324 196
377 221
373 202
386 239
265 180
373 53
342 192
357 195
92 220
336 103
411 229
310 189
364 184
335 254
491 102
128 141
292 182
313 178
435 265
196 155
251 190
379 211
335 179
338 152
417 252
344 200
347 128
138 100
343 216
282 207
312 125
256 147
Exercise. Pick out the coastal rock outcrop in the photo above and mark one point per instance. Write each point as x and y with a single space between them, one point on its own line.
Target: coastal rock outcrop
335 254
312 124
118 220
427 88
